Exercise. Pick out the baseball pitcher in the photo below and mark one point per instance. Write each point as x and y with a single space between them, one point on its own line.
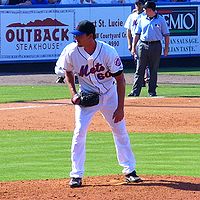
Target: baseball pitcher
102 88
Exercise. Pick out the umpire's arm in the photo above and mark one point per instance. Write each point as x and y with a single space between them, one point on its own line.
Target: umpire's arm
166 49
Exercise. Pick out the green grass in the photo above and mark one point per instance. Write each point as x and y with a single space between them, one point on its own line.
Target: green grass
183 71
171 90
30 93
28 155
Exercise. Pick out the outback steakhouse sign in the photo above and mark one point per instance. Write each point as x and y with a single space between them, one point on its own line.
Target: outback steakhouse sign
37 35
30 34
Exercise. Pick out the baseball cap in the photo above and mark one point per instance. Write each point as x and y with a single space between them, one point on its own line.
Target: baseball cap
140 1
84 27
151 5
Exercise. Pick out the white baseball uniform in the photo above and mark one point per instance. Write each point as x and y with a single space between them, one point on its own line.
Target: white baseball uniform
132 21
59 71
95 75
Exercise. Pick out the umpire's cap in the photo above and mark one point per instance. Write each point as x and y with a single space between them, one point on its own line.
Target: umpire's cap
84 27
150 4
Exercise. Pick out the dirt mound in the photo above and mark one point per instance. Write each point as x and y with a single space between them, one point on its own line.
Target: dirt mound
106 188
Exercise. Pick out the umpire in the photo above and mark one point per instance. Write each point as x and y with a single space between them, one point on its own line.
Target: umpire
150 30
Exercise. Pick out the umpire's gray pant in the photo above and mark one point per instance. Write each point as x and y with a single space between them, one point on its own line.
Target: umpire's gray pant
148 55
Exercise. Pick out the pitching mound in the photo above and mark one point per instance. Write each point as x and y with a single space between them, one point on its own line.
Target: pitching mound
105 188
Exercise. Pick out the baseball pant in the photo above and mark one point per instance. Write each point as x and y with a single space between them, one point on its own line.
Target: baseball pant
148 55
83 115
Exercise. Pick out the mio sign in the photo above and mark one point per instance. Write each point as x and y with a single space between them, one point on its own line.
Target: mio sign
182 21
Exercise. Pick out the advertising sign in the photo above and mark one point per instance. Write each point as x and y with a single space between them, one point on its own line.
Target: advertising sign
182 21
183 24
35 34
41 33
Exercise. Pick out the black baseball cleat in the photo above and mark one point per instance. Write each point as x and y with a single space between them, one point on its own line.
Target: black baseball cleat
60 79
132 178
152 94
132 95
75 182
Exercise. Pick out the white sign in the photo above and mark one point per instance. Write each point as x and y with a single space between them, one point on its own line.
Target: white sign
28 34
109 22
42 33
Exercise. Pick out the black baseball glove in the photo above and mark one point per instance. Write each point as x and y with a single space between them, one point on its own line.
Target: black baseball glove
86 99
89 99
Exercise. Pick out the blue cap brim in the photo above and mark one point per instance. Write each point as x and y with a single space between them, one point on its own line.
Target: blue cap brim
76 32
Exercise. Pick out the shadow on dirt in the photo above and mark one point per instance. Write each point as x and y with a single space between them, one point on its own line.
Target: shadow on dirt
178 185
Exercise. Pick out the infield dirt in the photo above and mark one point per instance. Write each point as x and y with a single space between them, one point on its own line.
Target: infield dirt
149 115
